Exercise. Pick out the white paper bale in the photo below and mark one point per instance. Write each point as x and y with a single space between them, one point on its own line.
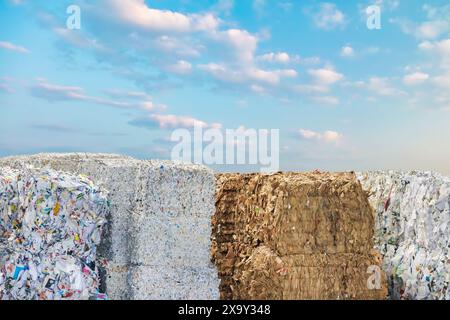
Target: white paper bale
160 220
412 231
173 283
50 226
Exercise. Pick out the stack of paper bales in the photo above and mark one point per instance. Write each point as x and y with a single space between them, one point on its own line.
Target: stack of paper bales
50 226
295 236
158 239
412 231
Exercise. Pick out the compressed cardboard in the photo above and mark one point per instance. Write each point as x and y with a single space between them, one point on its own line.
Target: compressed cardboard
294 236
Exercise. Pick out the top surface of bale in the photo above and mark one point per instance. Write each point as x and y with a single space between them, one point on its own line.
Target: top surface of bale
101 158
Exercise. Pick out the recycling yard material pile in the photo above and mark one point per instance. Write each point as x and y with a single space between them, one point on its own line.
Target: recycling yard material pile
157 243
294 236
97 226
50 226
412 231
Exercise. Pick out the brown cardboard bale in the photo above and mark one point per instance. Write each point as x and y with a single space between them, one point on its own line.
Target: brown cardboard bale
293 236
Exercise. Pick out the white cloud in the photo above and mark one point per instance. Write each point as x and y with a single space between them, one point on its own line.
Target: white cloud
280 57
78 39
241 41
263 75
382 87
442 81
331 136
170 121
256 88
311 89
436 25
226 74
172 40
347 51
54 92
310 60
415 78
328 16
180 67
322 79
13 47
440 47
221 72
308 134
327 136
325 76
136 13
119 93
288 73
177 46
432 29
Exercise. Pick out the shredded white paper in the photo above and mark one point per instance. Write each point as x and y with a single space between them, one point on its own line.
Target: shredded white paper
412 231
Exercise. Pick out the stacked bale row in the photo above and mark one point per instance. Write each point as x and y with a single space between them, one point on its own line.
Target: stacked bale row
295 236
156 244
412 231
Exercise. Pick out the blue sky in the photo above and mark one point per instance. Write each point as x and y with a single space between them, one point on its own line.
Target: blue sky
344 97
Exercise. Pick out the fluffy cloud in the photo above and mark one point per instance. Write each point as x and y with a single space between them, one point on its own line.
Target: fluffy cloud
242 42
123 94
137 14
440 47
326 136
256 88
440 50
436 25
327 16
77 39
347 51
13 47
287 73
223 73
382 87
279 57
415 78
431 29
180 67
54 92
170 121
311 89
174 45
442 81
325 76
